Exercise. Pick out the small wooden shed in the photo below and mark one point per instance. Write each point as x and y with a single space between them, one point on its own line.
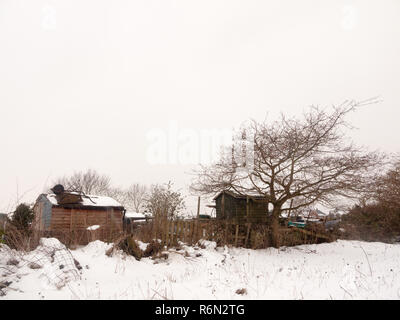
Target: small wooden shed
230 205
74 211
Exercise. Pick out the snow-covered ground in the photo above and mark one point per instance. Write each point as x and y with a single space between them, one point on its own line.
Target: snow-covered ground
339 270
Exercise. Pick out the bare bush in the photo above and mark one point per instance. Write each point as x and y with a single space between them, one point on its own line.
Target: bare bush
378 217
163 201
372 222
20 239
387 188
136 196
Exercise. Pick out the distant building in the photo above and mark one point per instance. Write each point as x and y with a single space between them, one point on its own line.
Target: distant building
313 214
132 218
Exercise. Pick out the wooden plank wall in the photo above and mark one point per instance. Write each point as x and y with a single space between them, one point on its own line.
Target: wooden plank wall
63 219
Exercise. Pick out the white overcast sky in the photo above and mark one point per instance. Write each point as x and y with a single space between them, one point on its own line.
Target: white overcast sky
82 83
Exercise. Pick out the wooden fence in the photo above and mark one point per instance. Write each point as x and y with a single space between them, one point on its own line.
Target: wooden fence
223 232
172 232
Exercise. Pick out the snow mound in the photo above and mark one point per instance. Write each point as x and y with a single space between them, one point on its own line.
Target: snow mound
51 243
96 248
58 264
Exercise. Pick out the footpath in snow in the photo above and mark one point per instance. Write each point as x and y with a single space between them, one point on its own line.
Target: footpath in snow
339 270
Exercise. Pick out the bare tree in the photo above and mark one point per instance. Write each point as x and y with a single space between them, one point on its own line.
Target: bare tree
306 159
136 196
89 182
118 194
163 201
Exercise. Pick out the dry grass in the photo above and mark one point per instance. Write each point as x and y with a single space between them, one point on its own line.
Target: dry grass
20 240
74 238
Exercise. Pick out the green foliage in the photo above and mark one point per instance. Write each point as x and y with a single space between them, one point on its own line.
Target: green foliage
2 234
22 217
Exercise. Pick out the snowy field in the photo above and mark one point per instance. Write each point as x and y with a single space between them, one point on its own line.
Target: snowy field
339 270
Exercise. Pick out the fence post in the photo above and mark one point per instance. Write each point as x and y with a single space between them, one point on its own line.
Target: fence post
247 234
169 233
153 231
172 236
185 223
198 207
226 232
196 231
182 231
236 235
166 232
192 228
179 231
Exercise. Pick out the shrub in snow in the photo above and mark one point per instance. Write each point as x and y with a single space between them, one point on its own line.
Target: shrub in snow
153 249
138 249
129 246
242 291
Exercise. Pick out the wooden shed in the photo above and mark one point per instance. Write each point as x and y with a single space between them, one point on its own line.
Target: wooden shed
74 211
230 205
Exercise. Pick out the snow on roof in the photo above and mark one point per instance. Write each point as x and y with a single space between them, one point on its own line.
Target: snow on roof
321 213
251 194
90 201
130 214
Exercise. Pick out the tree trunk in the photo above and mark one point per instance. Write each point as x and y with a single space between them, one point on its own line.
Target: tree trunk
275 227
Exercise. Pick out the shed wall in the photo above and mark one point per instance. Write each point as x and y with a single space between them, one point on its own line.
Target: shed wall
237 207
64 219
